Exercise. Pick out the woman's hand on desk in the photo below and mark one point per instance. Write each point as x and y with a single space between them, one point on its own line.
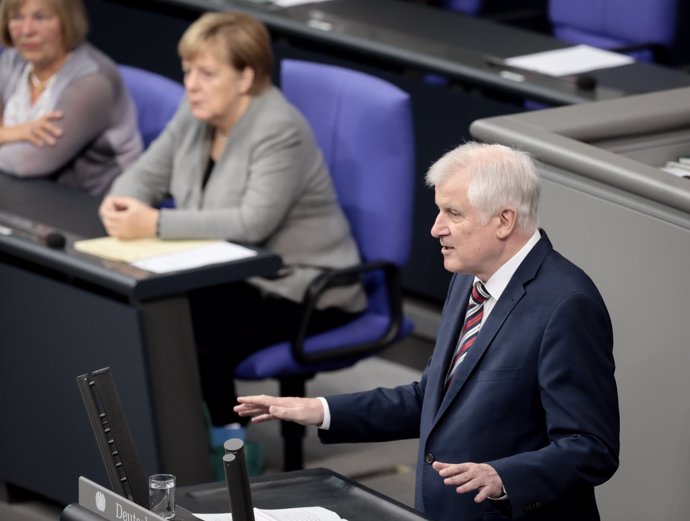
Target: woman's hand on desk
41 131
305 411
128 218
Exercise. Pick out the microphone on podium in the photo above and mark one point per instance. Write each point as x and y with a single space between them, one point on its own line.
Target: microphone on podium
237 479
44 234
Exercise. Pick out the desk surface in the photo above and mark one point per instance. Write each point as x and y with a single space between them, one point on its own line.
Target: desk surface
435 40
74 215
312 487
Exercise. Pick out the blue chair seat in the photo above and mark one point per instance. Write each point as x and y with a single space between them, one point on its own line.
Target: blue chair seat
278 361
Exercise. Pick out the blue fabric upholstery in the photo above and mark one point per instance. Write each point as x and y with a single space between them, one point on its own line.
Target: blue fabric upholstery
612 24
155 97
471 7
515 12
364 128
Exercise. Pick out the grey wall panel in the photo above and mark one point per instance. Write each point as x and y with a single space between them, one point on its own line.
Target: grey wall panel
640 262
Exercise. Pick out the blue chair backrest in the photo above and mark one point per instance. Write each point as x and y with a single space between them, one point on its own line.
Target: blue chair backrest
508 11
363 125
470 7
155 97
615 23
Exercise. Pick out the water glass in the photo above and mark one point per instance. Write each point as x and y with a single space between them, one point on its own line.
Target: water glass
162 495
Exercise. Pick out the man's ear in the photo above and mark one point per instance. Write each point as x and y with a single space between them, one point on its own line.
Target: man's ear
507 219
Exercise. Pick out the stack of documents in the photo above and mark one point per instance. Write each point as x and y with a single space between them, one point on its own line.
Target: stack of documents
570 60
284 514
162 256
679 168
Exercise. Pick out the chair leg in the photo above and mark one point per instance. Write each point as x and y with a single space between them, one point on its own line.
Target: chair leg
292 433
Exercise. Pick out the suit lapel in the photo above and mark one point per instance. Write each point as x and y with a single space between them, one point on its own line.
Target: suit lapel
484 339
500 313
454 313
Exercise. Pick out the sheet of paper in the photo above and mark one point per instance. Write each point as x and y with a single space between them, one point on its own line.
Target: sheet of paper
677 169
136 249
162 256
214 253
290 3
284 514
571 60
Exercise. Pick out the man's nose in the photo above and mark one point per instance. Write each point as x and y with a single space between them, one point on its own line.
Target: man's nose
438 228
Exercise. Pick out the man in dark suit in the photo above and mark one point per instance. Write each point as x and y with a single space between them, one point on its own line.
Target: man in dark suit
517 410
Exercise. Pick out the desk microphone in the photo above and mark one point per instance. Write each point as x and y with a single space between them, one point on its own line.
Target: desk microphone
237 479
44 234
54 240
585 82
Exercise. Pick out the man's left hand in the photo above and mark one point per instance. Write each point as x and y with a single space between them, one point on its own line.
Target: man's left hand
471 476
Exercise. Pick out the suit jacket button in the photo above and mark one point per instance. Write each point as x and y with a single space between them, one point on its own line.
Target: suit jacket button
429 458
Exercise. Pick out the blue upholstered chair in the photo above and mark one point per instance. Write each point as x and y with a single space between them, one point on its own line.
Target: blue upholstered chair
471 7
364 128
155 97
644 29
530 14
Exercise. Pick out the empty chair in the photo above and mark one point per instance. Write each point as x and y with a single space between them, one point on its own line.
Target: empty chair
471 7
156 99
364 128
644 29
525 13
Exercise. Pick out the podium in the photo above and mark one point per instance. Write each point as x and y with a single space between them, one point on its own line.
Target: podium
310 487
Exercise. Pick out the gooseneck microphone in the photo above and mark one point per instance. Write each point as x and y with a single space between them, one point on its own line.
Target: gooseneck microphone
21 227
237 479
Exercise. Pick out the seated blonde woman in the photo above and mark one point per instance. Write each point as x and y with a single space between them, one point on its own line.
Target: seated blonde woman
65 111
241 164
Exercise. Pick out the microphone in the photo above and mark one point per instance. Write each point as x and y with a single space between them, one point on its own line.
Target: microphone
40 232
585 82
237 480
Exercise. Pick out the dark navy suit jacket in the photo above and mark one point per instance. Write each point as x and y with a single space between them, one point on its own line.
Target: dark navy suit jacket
535 398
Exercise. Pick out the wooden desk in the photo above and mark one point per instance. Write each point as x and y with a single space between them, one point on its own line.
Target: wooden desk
64 313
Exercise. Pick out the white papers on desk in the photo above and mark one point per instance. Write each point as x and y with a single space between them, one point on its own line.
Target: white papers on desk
677 169
290 3
284 514
215 253
162 256
571 60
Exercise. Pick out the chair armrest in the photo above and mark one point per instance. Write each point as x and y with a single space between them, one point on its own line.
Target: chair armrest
341 277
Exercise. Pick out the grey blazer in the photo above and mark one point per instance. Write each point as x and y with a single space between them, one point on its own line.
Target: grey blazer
270 188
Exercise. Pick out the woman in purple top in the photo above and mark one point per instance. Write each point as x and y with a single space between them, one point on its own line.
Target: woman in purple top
65 111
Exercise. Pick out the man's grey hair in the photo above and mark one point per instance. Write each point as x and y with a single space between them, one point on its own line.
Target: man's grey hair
499 177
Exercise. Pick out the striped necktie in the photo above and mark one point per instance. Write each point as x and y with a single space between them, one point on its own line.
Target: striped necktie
470 329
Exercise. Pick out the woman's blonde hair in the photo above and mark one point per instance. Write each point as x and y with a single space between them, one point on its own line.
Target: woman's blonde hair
72 15
242 40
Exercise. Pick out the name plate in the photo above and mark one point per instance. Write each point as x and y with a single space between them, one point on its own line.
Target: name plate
111 506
